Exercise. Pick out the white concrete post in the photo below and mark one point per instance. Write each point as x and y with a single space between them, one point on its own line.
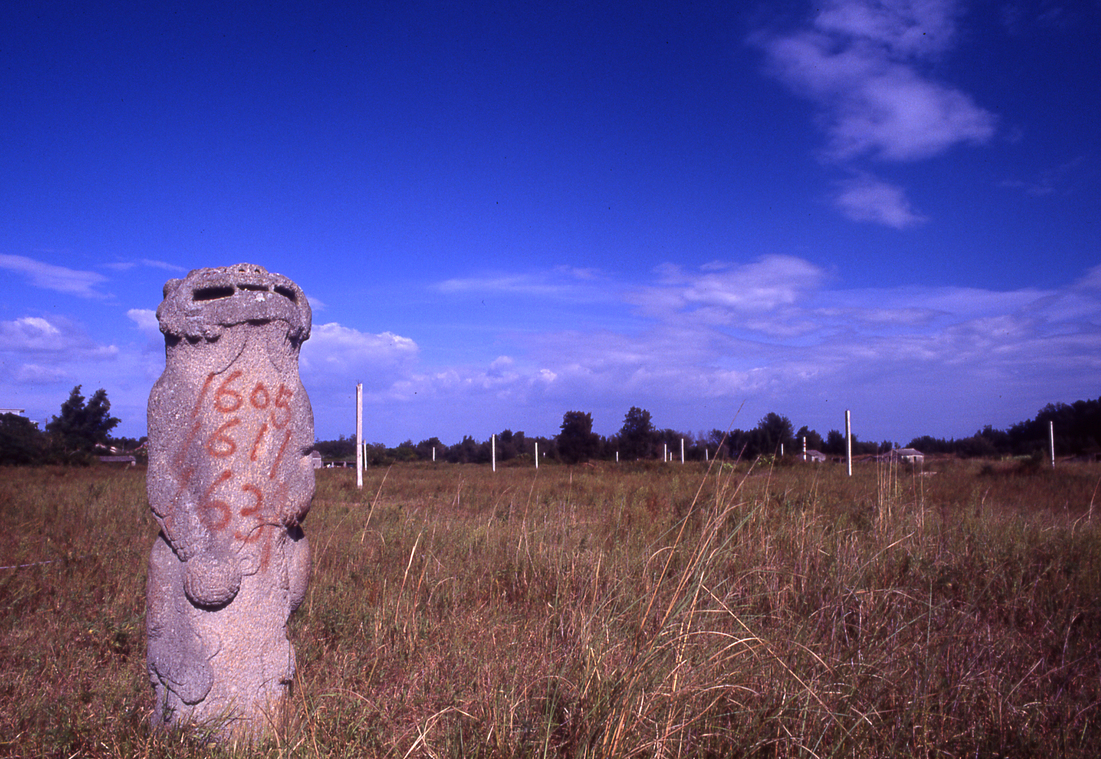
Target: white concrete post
493 449
1051 438
536 454
359 435
682 450
848 442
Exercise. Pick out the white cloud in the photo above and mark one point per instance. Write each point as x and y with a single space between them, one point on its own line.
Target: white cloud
1060 179
34 374
724 292
866 198
337 354
1091 282
42 357
860 66
59 278
794 345
561 283
127 265
903 27
694 344
862 63
146 319
55 335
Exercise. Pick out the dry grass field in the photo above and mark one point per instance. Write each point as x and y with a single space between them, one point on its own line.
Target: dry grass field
606 611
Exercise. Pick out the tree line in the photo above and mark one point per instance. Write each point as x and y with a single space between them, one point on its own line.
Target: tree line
637 440
1077 428
1077 433
83 428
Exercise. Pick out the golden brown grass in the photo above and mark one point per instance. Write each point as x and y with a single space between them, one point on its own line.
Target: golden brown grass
603 611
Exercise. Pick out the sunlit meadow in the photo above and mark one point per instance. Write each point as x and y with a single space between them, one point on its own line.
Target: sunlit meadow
602 611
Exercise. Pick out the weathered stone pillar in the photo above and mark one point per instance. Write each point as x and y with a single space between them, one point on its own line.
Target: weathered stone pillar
230 480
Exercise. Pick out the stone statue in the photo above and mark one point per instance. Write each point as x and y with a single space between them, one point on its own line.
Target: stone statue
230 480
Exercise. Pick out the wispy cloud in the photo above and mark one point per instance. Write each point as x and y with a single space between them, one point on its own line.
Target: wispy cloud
860 64
1059 179
127 265
561 283
59 278
866 198
146 319
36 349
31 333
338 354
778 333
723 292
863 64
50 335
692 344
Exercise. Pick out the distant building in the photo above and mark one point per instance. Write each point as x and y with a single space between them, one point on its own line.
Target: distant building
17 412
909 455
813 455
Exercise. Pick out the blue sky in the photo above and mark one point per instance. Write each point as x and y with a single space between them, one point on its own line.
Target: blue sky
502 212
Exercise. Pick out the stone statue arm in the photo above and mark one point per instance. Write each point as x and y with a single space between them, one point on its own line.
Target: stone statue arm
173 503
298 482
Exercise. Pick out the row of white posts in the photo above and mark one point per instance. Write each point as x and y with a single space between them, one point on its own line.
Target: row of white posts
666 456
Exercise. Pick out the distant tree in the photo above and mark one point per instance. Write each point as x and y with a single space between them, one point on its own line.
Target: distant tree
998 438
341 448
376 454
463 452
127 443
548 447
814 440
406 451
928 444
21 442
861 448
636 436
1077 429
507 445
771 432
425 448
835 443
576 441
667 442
80 426
975 447
739 445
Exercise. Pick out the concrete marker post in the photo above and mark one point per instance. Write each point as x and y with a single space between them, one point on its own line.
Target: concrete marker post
359 435
848 443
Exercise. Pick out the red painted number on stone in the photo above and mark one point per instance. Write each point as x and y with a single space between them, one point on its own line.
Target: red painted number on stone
226 399
255 509
220 445
282 401
211 505
259 397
